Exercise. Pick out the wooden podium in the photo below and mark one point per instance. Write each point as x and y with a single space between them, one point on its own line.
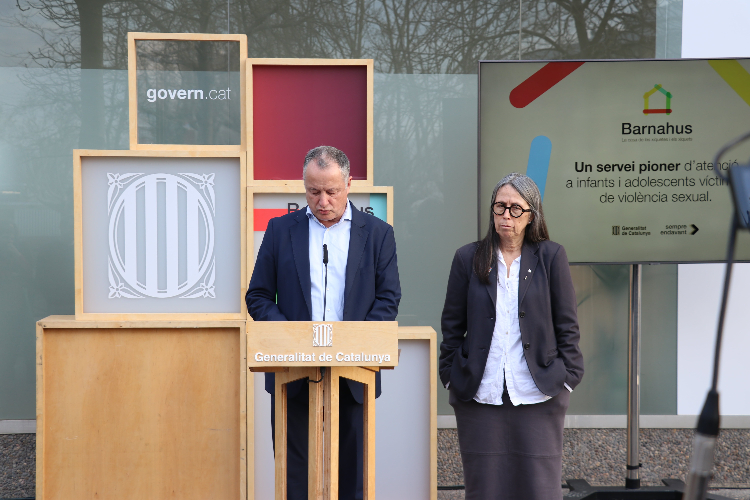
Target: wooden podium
297 350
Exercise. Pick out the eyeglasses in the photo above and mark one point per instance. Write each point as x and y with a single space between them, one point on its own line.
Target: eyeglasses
515 210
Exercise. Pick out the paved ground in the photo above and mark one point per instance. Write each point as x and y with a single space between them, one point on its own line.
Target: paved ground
17 465
596 455
736 494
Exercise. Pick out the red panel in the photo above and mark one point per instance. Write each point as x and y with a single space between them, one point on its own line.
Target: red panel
261 216
296 108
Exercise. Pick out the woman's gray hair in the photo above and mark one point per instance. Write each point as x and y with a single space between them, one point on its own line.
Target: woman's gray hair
529 191
485 257
323 156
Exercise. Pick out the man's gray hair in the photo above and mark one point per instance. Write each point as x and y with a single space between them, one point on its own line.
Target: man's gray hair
323 156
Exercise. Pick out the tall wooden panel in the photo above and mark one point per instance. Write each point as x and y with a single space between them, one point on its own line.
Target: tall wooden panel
140 409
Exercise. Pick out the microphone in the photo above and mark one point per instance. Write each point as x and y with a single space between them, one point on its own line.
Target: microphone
325 284
704 444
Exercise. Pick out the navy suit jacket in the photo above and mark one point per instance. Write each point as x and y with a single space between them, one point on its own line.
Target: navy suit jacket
280 286
547 315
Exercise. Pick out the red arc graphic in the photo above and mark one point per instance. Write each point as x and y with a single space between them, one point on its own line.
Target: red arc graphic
540 82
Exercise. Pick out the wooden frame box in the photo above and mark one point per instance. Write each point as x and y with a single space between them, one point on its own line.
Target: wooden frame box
294 105
426 333
184 95
141 409
170 241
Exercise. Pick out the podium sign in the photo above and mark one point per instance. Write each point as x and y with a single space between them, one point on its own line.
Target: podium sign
311 344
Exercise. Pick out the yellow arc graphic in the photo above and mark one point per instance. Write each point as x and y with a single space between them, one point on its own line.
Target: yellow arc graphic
735 75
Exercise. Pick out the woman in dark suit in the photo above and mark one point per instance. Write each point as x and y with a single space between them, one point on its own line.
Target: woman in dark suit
510 355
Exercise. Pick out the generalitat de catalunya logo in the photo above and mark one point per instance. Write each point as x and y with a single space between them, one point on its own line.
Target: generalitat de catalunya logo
648 110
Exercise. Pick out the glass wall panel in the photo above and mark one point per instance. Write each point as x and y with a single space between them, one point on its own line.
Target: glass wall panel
599 29
668 29
43 113
63 86
602 292
421 36
425 147
659 340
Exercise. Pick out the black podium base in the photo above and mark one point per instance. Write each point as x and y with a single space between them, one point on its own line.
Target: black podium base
580 489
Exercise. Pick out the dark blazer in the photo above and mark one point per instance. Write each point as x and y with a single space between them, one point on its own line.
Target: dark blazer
546 314
280 286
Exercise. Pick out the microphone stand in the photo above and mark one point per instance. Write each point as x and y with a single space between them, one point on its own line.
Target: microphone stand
325 283
707 431
325 295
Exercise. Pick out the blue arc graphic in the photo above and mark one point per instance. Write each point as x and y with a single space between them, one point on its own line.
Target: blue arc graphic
539 156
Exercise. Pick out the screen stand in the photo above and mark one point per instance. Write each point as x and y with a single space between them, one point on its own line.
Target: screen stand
673 488
632 477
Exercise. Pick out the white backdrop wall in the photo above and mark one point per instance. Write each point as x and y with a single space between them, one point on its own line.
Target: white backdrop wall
699 296
713 29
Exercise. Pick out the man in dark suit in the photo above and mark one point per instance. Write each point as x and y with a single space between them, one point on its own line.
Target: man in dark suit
359 283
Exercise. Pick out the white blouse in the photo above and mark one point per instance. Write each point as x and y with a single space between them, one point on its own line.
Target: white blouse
506 361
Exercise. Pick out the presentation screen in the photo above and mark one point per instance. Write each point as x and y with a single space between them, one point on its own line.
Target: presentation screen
622 152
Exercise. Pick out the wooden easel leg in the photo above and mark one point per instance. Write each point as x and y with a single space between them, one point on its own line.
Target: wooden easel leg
283 378
280 438
366 377
315 471
331 435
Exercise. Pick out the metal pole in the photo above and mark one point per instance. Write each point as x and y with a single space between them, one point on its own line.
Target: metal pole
520 26
632 479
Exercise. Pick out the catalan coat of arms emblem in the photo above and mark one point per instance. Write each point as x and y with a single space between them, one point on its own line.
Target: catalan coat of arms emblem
322 335
161 235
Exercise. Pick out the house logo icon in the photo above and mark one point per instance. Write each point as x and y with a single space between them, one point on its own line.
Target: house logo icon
667 109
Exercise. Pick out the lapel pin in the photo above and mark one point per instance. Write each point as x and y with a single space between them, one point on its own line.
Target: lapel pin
529 270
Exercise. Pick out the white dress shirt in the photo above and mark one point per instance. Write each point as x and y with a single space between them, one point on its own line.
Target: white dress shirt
336 238
506 361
